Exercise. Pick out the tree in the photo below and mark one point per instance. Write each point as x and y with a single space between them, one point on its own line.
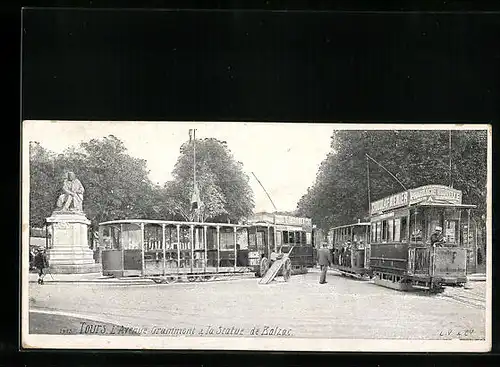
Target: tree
116 185
224 187
43 188
340 195
178 197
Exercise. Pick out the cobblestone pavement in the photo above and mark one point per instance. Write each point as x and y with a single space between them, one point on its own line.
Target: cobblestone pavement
343 308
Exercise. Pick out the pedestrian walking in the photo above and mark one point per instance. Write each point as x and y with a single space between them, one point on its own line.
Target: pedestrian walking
324 260
41 263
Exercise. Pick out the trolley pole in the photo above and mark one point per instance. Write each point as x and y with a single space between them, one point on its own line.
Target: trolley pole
468 237
194 159
163 244
268 196
476 262
449 150
143 270
368 184
385 169
195 191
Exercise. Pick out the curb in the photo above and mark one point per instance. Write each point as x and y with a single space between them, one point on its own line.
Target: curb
97 281
476 279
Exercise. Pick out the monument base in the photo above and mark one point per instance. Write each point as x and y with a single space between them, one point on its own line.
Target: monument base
70 253
75 269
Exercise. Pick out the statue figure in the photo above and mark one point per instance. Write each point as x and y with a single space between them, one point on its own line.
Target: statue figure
72 197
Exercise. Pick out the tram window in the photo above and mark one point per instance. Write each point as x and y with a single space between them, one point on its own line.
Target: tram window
285 237
304 238
390 223
261 243
252 241
397 229
378 234
384 231
297 238
404 229
451 231
373 232
242 238
291 237
226 240
211 238
279 238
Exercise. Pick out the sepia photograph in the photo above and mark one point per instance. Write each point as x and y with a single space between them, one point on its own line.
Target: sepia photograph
256 236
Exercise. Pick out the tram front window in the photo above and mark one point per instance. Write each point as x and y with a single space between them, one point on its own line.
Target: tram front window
359 237
451 224
131 236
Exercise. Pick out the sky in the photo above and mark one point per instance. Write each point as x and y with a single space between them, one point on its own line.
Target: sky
284 157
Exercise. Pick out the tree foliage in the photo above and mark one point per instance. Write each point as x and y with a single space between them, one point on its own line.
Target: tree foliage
116 184
340 193
43 191
224 188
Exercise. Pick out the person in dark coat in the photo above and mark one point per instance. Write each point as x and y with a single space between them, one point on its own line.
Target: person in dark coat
41 263
324 260
437 238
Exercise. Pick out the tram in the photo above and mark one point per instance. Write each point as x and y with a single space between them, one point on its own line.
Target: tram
168 251
286 233
349 244
401 255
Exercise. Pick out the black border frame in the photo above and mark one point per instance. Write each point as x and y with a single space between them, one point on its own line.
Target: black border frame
477 114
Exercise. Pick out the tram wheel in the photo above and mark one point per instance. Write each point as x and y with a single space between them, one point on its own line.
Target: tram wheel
171 279
191 278
287 270
264 266
206 278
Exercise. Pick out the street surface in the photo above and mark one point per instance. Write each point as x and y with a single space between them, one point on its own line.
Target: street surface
343 308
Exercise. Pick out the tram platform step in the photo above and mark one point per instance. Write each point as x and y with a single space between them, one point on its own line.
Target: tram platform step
393 285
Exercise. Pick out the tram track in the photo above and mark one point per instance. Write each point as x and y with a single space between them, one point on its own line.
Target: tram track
466 300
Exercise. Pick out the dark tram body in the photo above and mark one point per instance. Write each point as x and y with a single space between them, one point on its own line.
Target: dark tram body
402 225
285 233
397 251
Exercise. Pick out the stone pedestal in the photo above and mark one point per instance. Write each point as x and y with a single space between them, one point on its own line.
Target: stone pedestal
70 252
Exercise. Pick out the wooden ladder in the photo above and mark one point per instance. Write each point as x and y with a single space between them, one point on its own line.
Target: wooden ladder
275 268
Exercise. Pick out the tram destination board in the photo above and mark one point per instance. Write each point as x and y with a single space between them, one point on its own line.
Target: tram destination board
283 250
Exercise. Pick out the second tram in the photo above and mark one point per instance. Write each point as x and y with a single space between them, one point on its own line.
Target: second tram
349 247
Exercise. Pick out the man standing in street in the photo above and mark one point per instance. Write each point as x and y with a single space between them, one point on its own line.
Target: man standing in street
41 263
324 260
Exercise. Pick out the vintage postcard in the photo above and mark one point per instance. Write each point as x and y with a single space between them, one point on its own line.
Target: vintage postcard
256 236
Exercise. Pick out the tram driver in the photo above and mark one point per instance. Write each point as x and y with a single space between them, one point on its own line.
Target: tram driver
437 238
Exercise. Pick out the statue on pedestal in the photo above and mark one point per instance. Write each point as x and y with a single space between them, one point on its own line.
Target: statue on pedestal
72 197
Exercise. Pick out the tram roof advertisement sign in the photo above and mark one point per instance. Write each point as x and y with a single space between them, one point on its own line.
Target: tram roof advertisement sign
417 195
282 219
436 192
